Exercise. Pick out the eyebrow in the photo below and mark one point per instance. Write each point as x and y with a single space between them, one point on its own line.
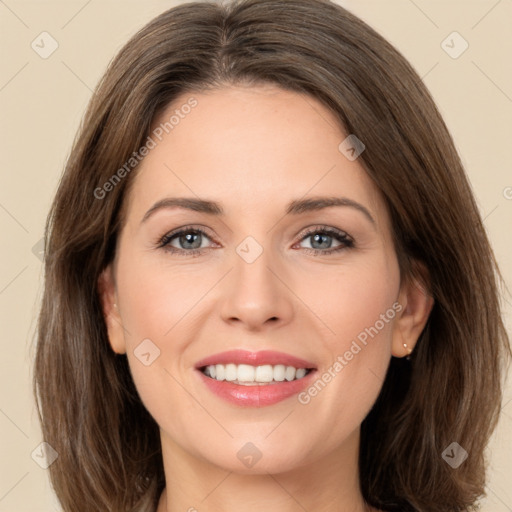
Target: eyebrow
295 207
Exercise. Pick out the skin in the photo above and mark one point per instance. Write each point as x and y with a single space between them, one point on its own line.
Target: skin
253 150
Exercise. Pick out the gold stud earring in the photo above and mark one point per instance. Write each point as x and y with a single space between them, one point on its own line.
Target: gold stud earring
408 351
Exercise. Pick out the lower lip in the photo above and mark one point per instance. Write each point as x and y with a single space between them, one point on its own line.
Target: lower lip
257 395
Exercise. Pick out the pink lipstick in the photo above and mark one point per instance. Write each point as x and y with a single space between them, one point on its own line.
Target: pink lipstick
255 379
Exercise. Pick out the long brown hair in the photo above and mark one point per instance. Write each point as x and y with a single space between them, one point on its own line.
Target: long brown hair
451 388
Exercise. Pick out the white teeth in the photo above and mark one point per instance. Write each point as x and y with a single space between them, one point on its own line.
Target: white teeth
289 374
247 374
264 373
220 372
300 373
279 371
231 372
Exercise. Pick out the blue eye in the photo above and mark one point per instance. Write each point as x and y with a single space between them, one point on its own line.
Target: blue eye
190 241
322 237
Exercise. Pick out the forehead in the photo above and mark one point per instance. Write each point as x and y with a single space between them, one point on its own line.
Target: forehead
248 148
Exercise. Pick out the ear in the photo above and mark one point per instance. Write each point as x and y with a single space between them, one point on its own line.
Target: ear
417 304
108 297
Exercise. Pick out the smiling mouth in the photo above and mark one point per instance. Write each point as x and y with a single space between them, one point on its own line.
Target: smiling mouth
249 375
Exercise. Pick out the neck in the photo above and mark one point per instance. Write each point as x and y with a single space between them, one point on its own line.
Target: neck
325 483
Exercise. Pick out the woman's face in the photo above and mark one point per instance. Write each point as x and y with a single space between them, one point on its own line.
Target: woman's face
262 272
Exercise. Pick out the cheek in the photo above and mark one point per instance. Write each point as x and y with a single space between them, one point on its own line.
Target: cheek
356 301
359 307
157 309
365 314
155 300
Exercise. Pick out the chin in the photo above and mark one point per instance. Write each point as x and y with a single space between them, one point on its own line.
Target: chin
257 456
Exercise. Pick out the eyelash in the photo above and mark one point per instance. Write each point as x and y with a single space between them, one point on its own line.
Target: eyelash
342 237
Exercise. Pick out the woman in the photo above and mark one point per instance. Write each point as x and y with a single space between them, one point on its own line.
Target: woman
332 338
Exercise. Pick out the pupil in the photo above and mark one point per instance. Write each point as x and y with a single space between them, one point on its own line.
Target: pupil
187 239
319 236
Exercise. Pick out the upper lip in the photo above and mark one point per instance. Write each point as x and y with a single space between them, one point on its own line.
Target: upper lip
259 358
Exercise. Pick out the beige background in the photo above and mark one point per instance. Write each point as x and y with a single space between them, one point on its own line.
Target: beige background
42 101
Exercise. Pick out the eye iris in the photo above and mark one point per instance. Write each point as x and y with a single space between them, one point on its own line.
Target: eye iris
187 238
324 245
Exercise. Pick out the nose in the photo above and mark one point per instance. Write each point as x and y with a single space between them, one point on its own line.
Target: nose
256 295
